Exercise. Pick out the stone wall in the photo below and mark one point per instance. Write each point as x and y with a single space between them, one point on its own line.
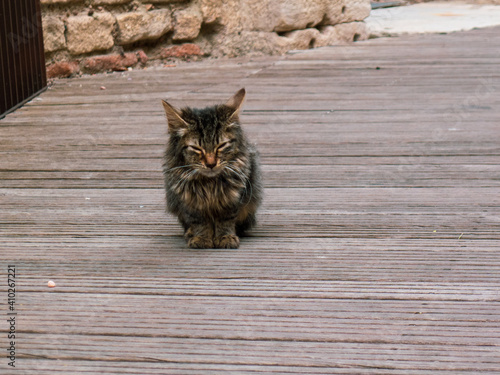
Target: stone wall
88 36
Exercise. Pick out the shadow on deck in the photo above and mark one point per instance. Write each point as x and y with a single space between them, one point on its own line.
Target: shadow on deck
377 250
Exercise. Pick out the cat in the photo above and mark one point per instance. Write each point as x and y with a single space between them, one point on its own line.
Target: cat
212 174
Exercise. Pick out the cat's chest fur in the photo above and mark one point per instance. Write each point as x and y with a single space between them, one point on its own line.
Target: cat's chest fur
210 196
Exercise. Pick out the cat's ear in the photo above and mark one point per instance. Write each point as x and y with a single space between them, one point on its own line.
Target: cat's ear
236 102
176 123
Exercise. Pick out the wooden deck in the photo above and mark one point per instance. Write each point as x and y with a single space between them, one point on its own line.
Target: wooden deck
377 250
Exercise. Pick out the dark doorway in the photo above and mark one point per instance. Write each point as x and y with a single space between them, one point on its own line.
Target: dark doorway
22 62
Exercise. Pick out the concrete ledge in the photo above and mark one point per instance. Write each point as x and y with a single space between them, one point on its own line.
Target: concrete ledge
435 17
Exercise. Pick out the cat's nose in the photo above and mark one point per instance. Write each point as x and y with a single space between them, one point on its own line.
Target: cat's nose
210 161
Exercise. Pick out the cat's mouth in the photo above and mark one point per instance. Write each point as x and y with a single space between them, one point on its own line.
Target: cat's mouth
210 172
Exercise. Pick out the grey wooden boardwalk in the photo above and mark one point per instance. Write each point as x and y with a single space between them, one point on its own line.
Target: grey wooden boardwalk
377 249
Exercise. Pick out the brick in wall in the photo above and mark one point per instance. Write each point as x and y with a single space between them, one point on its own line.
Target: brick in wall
109 2
43 2
113 62
62 69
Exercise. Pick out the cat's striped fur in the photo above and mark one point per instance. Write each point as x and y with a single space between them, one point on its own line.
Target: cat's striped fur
212 176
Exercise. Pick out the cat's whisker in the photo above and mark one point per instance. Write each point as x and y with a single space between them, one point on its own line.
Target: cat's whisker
237 172
182 166
243 178
192 173
186 176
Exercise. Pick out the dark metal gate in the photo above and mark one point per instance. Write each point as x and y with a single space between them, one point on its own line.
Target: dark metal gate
22 62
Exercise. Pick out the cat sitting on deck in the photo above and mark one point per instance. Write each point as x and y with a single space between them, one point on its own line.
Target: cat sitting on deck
212 175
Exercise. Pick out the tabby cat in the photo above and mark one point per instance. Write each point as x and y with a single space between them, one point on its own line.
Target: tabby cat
212 176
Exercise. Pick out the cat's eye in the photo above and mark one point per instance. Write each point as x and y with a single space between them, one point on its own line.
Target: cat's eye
224 145
195 149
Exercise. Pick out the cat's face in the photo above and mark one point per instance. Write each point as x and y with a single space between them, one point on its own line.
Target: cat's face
210 156
207 140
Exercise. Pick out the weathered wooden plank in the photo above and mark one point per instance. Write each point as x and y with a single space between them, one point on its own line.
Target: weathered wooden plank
164 367
339 289
299 176
217 351
390 260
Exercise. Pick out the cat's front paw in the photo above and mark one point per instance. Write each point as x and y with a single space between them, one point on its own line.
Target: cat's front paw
229 241
198 242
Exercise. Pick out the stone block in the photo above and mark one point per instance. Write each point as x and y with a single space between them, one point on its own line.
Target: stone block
334 12
90 33
53 33
187 23
211 10
356 10
284 15
62 69
143 25
301 39
261 15
181 51
230 44
248 43
298 14
341 34
343 11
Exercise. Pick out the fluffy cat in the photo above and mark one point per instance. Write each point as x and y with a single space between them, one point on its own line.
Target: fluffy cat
212 176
